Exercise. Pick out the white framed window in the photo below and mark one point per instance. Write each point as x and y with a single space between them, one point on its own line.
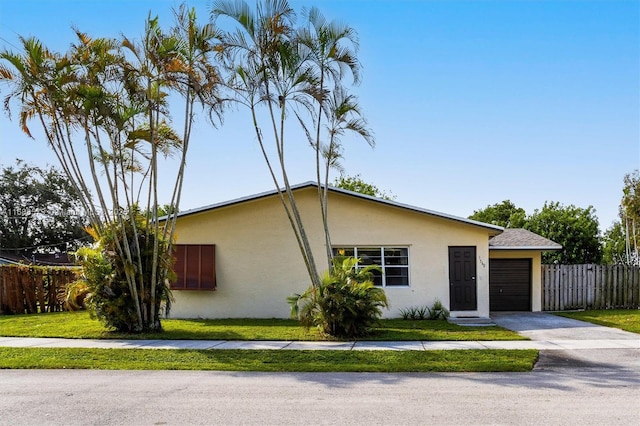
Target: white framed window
394 262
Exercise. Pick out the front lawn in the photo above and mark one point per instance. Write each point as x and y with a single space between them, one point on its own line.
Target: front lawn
80 326
624 319
269 360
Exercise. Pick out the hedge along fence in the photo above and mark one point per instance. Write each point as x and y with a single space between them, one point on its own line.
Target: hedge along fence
33 289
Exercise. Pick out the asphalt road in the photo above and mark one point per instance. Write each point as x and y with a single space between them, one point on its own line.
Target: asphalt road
586 395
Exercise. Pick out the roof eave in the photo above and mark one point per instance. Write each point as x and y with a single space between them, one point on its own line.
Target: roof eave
540 248
495 229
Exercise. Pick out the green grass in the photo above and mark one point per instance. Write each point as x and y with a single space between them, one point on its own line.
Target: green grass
79 325
625 319
269 360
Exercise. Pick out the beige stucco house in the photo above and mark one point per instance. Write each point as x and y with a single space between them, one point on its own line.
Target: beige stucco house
239 259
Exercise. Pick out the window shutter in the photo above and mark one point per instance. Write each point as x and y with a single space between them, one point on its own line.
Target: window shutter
194 267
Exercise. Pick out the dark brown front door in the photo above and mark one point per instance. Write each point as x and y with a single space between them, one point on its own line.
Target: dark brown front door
462 278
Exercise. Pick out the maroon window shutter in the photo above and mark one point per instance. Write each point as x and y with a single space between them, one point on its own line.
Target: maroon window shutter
179 266
192 277
208 267
194 267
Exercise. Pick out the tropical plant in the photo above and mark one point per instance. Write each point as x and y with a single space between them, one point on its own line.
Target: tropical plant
267 69
343 114
345 304
105 275
437 311
630 217
109 99
414 313
331 52
76 295
279 71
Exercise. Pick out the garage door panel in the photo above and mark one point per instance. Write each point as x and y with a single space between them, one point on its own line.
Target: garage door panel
510 284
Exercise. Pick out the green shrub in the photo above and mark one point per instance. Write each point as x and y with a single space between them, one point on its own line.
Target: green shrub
345 304
111 300
415 313
436 312
405 313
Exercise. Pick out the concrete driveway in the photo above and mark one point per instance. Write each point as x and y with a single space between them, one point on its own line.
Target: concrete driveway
544 326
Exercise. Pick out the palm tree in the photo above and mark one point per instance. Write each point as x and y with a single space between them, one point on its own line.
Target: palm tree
332 53
269 68
343 115
630 214
38 79
113 94
198 79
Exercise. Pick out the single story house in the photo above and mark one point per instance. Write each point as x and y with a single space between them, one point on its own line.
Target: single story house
240 259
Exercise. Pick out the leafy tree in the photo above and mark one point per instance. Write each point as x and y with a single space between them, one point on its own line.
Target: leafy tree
345 304
39 210
575 228
104 104
504 214
356 184
614 245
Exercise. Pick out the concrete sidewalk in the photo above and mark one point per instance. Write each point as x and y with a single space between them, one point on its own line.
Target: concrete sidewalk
563 344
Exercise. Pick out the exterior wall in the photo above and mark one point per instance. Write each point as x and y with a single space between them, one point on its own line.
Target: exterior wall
359 222
258 263
536 271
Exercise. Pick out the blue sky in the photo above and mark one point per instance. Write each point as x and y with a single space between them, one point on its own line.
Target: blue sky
471 102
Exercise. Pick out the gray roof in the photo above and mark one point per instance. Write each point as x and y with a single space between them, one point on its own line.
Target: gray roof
494 228
521 239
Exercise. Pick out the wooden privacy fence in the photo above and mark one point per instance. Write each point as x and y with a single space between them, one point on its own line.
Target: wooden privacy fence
567 287
33 289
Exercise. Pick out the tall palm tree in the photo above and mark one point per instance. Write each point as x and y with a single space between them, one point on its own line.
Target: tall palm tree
149 77
197 78
630 215
343 115
113 94
269 68
38 79
332 53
